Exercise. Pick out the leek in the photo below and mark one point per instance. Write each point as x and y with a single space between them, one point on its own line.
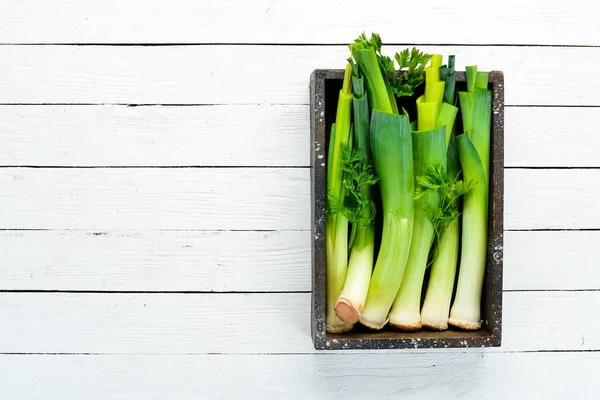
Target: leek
361 210
476 109
436 307
336 223
450 79
434 314
466 309
391 147
474 151
367 55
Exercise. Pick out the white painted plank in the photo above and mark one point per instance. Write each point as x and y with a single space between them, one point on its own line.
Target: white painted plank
551 260
246 261
155 260
149 136
295 21
242 198
260 74
551 199
246 323
551 137
263 135
403 375
180 198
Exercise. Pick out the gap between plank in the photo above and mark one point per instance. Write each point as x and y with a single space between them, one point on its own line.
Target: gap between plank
554 230
156 166
558 168
43 291
266 44
208 292
256 104
100 232
239 167
324 353
260 104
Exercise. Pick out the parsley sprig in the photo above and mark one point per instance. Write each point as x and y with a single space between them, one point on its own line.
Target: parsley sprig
413 64
449 189
359 174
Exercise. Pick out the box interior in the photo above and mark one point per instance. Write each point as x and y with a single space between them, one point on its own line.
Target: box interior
332 88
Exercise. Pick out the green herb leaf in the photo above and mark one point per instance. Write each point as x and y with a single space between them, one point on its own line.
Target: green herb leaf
358 177
449 189
412 63
373 43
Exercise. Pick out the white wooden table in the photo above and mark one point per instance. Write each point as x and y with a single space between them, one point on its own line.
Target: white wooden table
155 204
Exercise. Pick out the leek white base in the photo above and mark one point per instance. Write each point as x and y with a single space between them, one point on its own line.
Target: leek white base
372 325
348 310
407 325
463 315
441 325
434 314
351 301
405 315
338 328
463 324
436 307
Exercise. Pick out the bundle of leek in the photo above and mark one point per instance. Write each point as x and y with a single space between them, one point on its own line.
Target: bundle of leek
369 300
391 147
436 307
418 167
429 154
349 196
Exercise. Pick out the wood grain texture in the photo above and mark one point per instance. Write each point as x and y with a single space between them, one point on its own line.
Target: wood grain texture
295 21
246 135
246 323
167 136
180 198
270 74
155 260
245 261
244 198
403 375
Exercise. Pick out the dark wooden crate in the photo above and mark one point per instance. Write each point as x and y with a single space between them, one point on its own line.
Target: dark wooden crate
324 88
